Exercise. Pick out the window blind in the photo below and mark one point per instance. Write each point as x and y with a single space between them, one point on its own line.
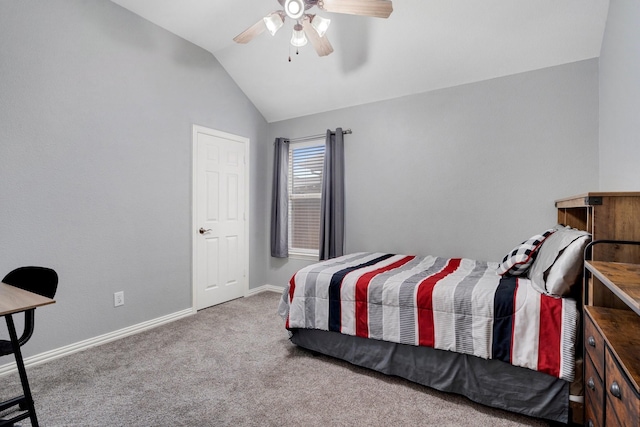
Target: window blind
306 162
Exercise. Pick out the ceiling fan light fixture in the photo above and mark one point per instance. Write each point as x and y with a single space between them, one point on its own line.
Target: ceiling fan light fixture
308 27
273 22
298 39
320 24
294 8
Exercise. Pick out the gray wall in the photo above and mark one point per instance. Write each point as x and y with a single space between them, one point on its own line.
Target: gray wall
620 98
96 109
468 171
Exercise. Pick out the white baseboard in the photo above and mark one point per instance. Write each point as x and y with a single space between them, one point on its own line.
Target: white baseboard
92 342
264 288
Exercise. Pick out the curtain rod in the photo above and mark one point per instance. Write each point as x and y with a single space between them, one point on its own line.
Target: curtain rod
307 138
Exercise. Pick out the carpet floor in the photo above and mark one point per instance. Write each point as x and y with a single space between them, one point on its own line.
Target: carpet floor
233 365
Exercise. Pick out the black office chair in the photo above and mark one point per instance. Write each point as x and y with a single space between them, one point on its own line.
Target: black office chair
42 281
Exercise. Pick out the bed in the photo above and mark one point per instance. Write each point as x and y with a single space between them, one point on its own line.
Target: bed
504 334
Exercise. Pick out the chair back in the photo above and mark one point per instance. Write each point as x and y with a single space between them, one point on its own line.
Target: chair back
39 280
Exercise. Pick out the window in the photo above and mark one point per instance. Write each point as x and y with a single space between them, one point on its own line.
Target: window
306 161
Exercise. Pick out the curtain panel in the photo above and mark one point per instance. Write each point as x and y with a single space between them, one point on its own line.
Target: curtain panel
332 199
280 200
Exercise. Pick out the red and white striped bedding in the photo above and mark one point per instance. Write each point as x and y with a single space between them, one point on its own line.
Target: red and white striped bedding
459 305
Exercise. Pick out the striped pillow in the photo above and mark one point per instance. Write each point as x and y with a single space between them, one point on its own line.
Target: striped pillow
518 261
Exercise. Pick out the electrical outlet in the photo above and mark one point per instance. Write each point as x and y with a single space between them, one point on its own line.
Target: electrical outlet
118 298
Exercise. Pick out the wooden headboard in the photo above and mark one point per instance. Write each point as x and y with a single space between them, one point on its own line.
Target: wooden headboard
607 216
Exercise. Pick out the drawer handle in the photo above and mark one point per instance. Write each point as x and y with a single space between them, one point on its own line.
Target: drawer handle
591 384
615 390
591 341
590 423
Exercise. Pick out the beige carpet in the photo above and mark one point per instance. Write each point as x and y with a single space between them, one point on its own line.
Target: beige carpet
233 365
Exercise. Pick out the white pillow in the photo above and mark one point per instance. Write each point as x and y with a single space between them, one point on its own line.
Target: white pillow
567 268
559 261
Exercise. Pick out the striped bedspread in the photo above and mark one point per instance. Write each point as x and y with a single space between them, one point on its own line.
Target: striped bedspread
459 305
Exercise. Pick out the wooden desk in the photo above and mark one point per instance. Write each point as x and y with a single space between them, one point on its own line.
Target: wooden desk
15 300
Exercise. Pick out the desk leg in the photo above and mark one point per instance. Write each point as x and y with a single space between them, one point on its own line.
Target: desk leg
21 370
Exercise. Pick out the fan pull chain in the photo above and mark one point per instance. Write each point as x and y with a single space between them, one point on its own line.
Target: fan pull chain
297 52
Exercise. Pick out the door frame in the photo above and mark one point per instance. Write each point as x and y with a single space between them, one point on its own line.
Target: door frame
194 175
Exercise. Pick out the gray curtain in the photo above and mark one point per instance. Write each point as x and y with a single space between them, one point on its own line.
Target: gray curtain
332 200
280 200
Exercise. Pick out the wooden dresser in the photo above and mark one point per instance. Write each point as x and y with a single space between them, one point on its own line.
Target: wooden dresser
611 305
612 344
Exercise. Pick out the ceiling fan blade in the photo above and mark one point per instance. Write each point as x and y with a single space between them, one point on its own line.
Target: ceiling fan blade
320 44
374 8
247 35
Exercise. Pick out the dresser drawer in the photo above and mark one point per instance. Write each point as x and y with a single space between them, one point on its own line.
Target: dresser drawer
612 421
591 416
594 343
622 399
594 397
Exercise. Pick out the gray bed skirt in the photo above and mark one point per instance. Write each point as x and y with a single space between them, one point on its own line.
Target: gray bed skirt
489 382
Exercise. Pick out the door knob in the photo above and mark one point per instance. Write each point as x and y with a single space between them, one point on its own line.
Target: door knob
202 230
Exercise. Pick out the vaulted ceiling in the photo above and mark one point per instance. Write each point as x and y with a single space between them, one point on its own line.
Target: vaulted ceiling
424 45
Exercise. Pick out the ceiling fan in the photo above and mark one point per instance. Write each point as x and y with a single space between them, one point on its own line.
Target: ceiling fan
312 27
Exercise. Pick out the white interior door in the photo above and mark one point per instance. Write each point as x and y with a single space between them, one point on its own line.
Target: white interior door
220 223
